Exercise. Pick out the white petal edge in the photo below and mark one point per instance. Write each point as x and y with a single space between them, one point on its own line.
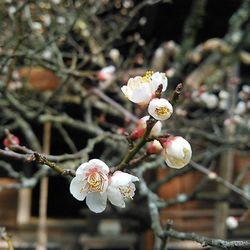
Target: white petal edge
115 197
120 178
100 165
96 202
141 94
75 188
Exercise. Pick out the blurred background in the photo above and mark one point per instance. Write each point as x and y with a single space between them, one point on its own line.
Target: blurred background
62 64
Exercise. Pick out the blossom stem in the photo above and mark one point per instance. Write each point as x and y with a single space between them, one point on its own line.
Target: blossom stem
42 160
135 149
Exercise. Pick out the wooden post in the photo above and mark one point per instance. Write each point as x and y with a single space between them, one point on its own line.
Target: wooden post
24 205
227 161
43 202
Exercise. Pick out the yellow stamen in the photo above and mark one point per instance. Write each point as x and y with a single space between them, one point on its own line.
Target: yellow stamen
162 111
95 182
147 76
126 191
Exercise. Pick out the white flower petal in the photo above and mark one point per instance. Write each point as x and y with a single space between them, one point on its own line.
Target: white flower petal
96 202
100 165
159 78
82 168
141 95
115 197
76 189
156 130
120 178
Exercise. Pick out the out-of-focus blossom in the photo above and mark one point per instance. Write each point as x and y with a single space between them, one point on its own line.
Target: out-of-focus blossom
246 88
160 108
212 175
223 94
223 104
61 20
121 188
56 1
232 222
240 108
11 10
182 198
177 152
106 73
46 20
47 54
11 140
37 26
210 100
142 89
142 20
115 55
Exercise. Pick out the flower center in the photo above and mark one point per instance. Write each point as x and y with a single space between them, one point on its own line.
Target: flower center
162 111
147 76
95 182
127 191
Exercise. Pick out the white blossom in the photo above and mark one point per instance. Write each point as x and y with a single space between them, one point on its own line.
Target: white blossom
142 89
37 26
232 222
160 108
114 54
240 108
223 104
246 88
223 94
106 73
61 20
91 182
121 188
12 10
177 152
210 100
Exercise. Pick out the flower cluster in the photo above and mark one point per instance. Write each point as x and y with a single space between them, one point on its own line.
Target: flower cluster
93 182
142 90
176 151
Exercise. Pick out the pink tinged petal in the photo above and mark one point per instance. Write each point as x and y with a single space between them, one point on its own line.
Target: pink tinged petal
115 197
100 165
82 169
96 201
122 179
76 189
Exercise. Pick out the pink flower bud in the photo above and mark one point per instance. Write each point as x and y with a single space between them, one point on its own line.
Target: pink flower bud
154 147
11 141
